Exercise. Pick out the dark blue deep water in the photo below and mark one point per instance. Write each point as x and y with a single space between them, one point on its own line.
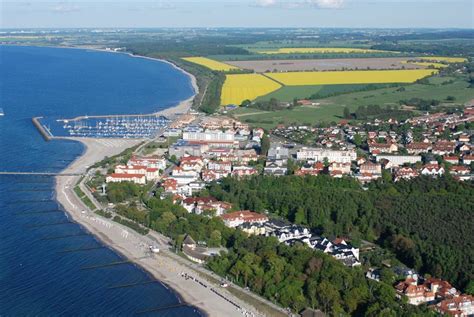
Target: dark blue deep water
35 278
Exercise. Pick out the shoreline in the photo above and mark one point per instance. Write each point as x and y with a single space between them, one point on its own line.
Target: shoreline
127 243
165 267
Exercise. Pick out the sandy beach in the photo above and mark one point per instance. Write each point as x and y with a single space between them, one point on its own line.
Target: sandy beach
165 266
182 276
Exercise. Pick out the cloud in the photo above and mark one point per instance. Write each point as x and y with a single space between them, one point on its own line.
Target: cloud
328 4
322 4
266 3
65 7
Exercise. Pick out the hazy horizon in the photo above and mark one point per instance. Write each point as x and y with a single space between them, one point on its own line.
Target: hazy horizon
406 14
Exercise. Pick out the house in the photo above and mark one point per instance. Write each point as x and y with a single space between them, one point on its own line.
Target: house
461 306
367 177
255 228
308 169
337 248
237 218
210 175
468 159
220 166
191 163
125 177
291 232
416 294
441 288
418 147
405 173
370 168
191 188
432 170
464 138
453 159
376 148
342 168
241 171
153 161
170 185
460 172
199 205
275 167
443 147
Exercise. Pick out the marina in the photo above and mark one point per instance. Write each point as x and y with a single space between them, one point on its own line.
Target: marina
113 126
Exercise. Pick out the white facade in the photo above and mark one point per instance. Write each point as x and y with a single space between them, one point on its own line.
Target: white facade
209 136
319 155
398 160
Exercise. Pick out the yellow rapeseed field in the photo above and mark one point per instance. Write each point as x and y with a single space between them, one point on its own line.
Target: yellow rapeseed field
427 64
240 87
443 59
350 77
210 63
322 50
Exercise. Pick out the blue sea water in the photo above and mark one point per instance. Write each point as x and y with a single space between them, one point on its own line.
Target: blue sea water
35 277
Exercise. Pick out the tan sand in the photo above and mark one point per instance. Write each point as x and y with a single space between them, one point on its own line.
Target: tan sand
165 266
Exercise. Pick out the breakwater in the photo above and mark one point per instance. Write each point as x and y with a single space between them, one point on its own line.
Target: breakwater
45 133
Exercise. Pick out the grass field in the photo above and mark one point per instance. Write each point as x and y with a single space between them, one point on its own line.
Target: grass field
240 87
350 77
288 93
331 108
309 50
211 64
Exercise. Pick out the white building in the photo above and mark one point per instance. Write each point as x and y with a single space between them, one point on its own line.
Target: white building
320 154
399 160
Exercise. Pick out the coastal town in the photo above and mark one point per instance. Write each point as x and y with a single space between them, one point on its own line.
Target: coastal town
238 171
207 149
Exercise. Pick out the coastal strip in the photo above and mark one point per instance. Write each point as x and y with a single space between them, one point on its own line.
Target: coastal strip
165 266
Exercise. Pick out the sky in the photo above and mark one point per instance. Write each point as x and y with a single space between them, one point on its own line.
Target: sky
235 13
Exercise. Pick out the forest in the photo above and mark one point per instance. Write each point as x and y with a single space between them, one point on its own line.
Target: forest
294 277
427 222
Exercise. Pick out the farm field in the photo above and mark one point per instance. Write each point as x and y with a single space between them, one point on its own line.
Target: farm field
289 93
350 77
210 63
261 66
331 108
240 87
443 59
426 64
309 50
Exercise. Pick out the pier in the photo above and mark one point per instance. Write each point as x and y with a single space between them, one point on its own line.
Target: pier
45 133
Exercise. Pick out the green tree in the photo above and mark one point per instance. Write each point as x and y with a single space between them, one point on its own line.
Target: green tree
215 238
265 145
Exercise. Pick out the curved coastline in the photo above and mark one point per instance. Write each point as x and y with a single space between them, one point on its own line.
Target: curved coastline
87 158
